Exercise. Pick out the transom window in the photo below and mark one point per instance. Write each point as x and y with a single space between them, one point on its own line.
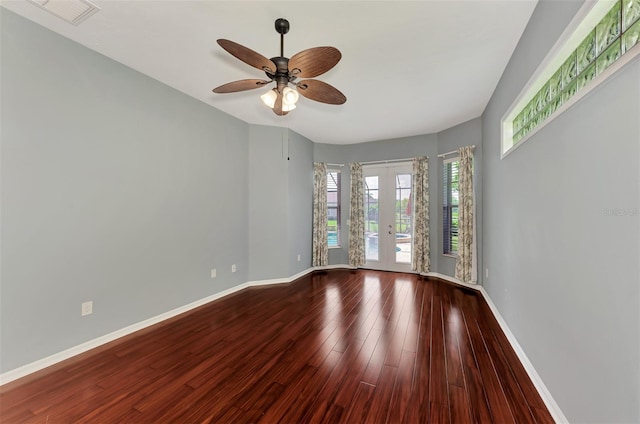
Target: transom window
607 34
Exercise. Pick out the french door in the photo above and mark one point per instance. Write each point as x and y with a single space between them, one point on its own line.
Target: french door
388 216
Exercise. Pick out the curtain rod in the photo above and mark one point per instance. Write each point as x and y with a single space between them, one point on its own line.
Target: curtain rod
386 161
336 164
441 155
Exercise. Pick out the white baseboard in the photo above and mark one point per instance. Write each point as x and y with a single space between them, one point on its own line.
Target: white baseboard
338 266
40 364
549 401
451 280
551 404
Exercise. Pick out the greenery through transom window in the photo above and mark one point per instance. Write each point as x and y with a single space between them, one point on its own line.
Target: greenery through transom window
613 36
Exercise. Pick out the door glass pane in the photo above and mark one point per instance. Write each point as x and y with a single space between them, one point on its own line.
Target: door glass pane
403 218
371 218
333 209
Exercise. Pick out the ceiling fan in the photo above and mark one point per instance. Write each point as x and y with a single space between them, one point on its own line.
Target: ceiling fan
284 71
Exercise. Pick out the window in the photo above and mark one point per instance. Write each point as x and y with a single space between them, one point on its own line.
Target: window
450 206
333 208
607 34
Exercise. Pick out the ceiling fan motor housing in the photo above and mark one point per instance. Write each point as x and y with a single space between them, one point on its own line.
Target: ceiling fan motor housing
281 77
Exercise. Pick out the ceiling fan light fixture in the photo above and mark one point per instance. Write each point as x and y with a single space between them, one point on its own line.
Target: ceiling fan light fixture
288 107
289 96
269 98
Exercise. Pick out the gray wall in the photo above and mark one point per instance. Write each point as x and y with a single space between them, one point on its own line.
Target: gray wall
280 202
563 271
300 202
268 188
123 191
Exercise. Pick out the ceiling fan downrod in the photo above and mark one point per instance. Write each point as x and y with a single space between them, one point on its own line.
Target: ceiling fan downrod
281 77
282 27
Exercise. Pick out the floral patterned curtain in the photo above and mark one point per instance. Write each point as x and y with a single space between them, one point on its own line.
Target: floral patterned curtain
465 264
420 259
320 247
356 217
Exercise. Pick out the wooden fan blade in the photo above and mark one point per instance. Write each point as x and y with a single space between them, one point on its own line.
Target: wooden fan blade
313 62
241 85
248 56
321 92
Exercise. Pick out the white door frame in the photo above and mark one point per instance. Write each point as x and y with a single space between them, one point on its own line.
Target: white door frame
385 239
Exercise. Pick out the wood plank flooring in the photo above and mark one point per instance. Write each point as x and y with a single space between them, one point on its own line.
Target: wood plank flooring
341 346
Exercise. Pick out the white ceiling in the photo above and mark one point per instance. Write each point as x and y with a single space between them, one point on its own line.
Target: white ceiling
407 68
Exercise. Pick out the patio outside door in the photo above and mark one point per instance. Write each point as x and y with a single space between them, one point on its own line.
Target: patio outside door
388 216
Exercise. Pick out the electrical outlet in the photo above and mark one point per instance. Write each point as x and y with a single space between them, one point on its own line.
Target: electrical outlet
87 308
233 268
213 273
486 272
298 257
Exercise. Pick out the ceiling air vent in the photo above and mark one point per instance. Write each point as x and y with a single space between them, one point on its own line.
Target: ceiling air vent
72 11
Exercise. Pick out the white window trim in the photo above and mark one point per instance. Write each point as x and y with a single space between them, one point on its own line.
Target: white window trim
449 160
339 246
587 17
449 254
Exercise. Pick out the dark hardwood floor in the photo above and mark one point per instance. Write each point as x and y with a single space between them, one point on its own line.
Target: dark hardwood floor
340 346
